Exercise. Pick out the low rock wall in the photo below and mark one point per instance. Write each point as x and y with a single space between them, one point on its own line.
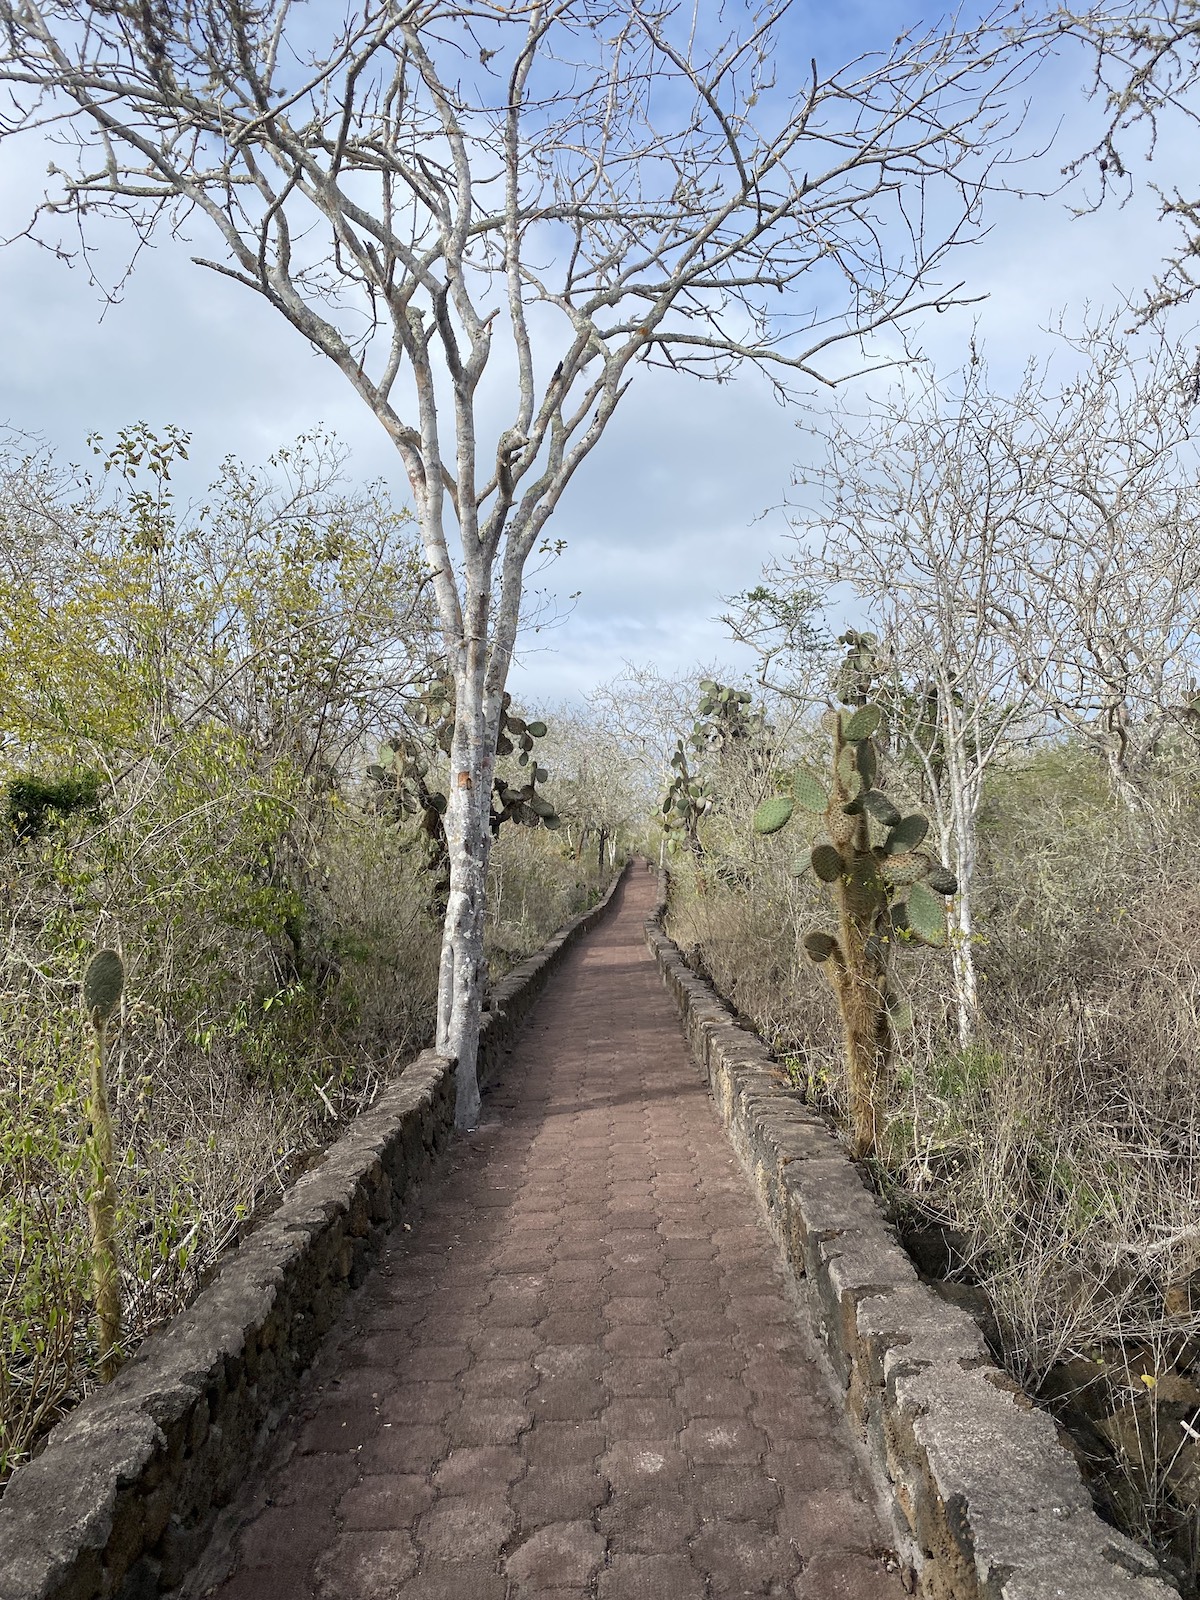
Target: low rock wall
987 1504
121 1501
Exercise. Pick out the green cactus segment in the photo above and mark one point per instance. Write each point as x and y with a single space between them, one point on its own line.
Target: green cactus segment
910 867
819 946
942 881
900 1015
907 834
774 814
867 762
847 768
861 724
810 793
877 804
800 865
102 985
827 862
926 915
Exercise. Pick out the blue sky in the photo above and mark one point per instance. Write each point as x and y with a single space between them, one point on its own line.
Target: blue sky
673 511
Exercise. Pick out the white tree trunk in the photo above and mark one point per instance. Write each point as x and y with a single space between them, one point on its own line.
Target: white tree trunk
463 972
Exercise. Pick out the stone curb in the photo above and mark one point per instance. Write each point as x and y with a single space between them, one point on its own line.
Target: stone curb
122 1499
987 1503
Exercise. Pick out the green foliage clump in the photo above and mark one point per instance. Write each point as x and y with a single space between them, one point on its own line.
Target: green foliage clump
31 804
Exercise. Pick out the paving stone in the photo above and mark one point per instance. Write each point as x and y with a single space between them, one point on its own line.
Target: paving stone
365 1566
562 1553
456 1580
731 1494
575 1376
471 1527
628 1418
385 1500
478 1469
723 1439
648 1524
842 1575
565 1443
559 1493
739 1559
629 1376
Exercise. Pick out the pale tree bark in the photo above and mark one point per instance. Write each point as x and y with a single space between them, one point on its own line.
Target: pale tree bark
569 191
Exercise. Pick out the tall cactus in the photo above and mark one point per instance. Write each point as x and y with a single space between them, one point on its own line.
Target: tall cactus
885 888
102 985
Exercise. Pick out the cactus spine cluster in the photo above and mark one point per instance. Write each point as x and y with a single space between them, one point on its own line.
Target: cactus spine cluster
102 985
885 888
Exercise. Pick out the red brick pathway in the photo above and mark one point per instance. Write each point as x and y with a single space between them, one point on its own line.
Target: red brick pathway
579 1374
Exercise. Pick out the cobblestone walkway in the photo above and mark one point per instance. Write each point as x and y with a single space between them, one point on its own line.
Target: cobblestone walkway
579 1374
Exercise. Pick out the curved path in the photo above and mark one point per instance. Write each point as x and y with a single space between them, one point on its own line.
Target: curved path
579 1373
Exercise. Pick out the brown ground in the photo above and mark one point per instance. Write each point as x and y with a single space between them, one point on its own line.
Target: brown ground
579 1374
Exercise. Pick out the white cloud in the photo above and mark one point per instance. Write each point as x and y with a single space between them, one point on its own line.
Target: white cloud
664 519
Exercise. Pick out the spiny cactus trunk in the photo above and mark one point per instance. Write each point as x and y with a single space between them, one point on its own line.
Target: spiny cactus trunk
102 1212
860 982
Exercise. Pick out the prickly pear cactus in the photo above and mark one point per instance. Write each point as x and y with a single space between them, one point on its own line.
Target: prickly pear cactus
405 778
886 890
724 721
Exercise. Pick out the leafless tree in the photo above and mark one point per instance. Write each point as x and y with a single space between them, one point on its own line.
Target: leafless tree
1114 570
923 510
1147 74
554 194
1024 557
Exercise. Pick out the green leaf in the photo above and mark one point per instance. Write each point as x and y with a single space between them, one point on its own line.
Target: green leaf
926 915
809 791
537 729
907 834
774 814
862 724
827 862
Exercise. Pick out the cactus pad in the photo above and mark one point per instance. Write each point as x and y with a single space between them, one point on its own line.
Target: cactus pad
102 984
819 945
809 791
827 862
877 804
926 915
861 724
774 814
942 881
907 834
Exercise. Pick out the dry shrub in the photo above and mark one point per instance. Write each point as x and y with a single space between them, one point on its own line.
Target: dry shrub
1057 1158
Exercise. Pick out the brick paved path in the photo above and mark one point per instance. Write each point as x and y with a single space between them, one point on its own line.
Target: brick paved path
579 1374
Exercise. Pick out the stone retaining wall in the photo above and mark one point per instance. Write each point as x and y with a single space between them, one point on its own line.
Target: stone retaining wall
986 1502
122 1499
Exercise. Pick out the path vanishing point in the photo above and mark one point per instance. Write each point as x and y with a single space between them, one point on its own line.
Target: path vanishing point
579 1370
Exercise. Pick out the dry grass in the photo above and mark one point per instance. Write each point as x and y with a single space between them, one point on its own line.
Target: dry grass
1059 1154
